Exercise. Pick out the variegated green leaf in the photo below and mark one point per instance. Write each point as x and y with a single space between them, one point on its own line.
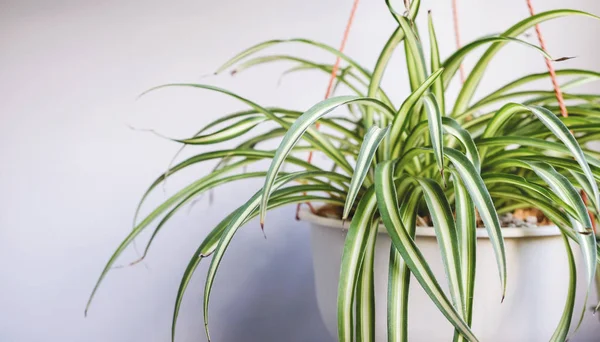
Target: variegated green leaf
400 117
561 186
434 119
468 89
235 223
300 126
588 75
264 45
438 86
452 64
467 242
483 202
365 290
581 224
354 249
209 244
227 133
554 124
363 163
399 275
445 231
388 208
450 126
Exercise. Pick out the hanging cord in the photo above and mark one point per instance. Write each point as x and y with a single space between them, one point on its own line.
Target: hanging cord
457 36
332 78
558 93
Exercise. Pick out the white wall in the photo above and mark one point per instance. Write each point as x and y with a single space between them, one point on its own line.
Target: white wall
72 171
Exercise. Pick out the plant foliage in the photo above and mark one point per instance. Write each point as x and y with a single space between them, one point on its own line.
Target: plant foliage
427 156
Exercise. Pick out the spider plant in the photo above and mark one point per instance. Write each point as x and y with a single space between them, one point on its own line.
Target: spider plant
509 149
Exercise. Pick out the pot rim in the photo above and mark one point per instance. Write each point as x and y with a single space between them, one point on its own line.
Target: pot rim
507 232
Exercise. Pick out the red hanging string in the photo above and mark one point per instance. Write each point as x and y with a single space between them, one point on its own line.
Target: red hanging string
332 78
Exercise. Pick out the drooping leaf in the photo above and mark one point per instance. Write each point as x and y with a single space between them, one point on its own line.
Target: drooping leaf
468 89
234 224
300 126
399 275
365 289
434 119
467 241
485 206
354 249
445 231
365 158
388 208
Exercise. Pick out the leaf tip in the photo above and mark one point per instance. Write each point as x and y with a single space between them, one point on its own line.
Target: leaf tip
233 72
561 59
264 234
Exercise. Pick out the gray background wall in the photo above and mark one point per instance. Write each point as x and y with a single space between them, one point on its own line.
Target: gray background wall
72 171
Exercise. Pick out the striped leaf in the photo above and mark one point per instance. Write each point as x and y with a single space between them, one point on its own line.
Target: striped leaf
588 75
452 127
354 250
485 206
434 119
314 137
556 126
207 247
561 186
235 223
365 290
414 52
365 157
467 242
452 64
438 86
445 231
399 120
294 134
227 133
388 208
468 89
581 223
399 275
382 62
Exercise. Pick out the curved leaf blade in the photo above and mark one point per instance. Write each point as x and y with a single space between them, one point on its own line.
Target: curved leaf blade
484 204
301 125
365 157
388 208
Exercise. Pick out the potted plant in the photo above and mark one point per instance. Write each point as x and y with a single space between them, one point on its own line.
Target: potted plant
413 187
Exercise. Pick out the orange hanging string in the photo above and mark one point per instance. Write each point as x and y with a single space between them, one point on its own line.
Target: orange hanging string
336 66
457 36
332 78
558 93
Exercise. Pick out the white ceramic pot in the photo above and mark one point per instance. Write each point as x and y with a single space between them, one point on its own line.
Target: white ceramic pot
537 283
